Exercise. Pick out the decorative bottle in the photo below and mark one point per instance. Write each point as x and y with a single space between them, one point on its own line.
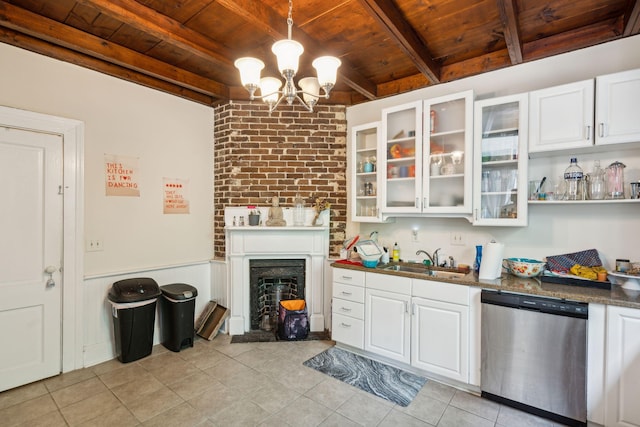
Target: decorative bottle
597 190
298 213
478 260
573 179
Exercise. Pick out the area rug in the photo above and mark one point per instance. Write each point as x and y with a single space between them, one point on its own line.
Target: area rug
264 336
387 382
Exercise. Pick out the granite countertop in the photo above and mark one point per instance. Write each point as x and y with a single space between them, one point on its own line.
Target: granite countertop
510 283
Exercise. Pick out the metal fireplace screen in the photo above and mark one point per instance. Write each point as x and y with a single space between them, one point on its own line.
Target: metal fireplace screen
271 281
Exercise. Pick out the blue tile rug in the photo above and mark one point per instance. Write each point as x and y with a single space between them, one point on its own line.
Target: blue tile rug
381 380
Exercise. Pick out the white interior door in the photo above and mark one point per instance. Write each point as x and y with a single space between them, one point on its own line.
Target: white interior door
31 173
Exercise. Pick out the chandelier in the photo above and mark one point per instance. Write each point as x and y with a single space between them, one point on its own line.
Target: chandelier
288 52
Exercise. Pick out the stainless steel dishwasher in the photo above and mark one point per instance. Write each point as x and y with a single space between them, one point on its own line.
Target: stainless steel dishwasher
534 353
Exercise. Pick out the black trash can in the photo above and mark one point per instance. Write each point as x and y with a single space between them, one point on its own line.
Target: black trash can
177 311
133 307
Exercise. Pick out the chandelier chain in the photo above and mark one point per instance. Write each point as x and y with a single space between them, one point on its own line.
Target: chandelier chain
290 18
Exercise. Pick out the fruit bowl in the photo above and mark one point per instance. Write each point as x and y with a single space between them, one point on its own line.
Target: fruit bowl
524 267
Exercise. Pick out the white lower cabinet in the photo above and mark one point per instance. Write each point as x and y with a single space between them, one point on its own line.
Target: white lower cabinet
428 324
440 329
347 307
387 317
622 384
440 342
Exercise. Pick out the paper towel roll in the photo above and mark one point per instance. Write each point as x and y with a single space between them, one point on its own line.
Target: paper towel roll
491 264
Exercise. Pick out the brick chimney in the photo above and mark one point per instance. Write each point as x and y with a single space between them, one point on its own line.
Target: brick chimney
258 155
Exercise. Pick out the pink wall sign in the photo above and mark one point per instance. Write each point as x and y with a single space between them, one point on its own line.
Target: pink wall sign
121 175
176 195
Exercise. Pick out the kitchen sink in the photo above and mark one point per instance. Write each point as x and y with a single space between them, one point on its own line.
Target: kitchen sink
446 274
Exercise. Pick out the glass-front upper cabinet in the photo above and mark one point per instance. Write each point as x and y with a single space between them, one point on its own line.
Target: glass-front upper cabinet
448 154
500 156
402 147
365 182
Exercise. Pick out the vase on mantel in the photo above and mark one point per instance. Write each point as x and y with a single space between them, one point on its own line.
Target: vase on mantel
317 220
298 213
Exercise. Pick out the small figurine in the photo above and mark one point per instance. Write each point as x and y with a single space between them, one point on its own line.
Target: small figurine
275 214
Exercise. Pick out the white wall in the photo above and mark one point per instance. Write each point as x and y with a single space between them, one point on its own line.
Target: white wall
172 137
553 229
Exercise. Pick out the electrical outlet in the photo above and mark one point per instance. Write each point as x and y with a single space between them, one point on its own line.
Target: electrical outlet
94 245
457 238
414 235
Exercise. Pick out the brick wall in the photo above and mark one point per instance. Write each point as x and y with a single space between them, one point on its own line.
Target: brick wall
290 151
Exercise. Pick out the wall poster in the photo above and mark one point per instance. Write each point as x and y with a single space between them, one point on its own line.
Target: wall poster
121 175
176 195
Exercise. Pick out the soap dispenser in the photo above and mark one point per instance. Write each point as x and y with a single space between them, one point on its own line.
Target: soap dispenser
396 253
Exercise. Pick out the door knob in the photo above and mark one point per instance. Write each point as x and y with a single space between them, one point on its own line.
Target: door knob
50 270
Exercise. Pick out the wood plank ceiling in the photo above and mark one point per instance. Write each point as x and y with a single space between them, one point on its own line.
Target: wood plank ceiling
187 47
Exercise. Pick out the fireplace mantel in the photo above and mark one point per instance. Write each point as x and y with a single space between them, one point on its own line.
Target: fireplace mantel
257 242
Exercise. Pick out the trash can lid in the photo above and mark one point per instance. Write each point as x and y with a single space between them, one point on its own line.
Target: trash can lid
179 291
133 290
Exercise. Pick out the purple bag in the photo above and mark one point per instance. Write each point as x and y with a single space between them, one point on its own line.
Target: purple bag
293 322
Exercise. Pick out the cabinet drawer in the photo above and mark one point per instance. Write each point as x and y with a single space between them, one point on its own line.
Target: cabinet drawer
348 292
386 282
440 291
347 330
349 277
348 308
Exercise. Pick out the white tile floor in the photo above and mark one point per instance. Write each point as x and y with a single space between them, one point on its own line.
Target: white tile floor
217 383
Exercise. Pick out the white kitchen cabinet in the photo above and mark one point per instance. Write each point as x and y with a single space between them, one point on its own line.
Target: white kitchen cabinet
365 179
347 307
448 154
561 117
618 108
500 161
623 367
427 159
387 316
440 329
401 164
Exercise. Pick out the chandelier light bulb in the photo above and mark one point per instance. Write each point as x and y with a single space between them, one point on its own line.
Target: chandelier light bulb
310 90
327 69
250 69
269 89
288 53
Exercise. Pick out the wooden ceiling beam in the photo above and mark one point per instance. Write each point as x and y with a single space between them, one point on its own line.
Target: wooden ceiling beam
33 44
261 16
600 32
26 22
509 18
632 19
162 27
392 20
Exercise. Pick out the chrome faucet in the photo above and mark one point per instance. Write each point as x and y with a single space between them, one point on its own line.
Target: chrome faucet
433 258
374 236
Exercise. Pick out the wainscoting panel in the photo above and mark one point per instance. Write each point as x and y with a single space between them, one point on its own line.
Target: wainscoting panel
99 343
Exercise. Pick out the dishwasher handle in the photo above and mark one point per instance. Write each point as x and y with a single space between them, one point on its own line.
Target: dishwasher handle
555 306
499 298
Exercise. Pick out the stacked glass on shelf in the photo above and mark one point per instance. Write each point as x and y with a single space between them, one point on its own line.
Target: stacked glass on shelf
574 184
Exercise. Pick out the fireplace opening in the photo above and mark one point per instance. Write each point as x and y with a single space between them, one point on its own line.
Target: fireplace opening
271 281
